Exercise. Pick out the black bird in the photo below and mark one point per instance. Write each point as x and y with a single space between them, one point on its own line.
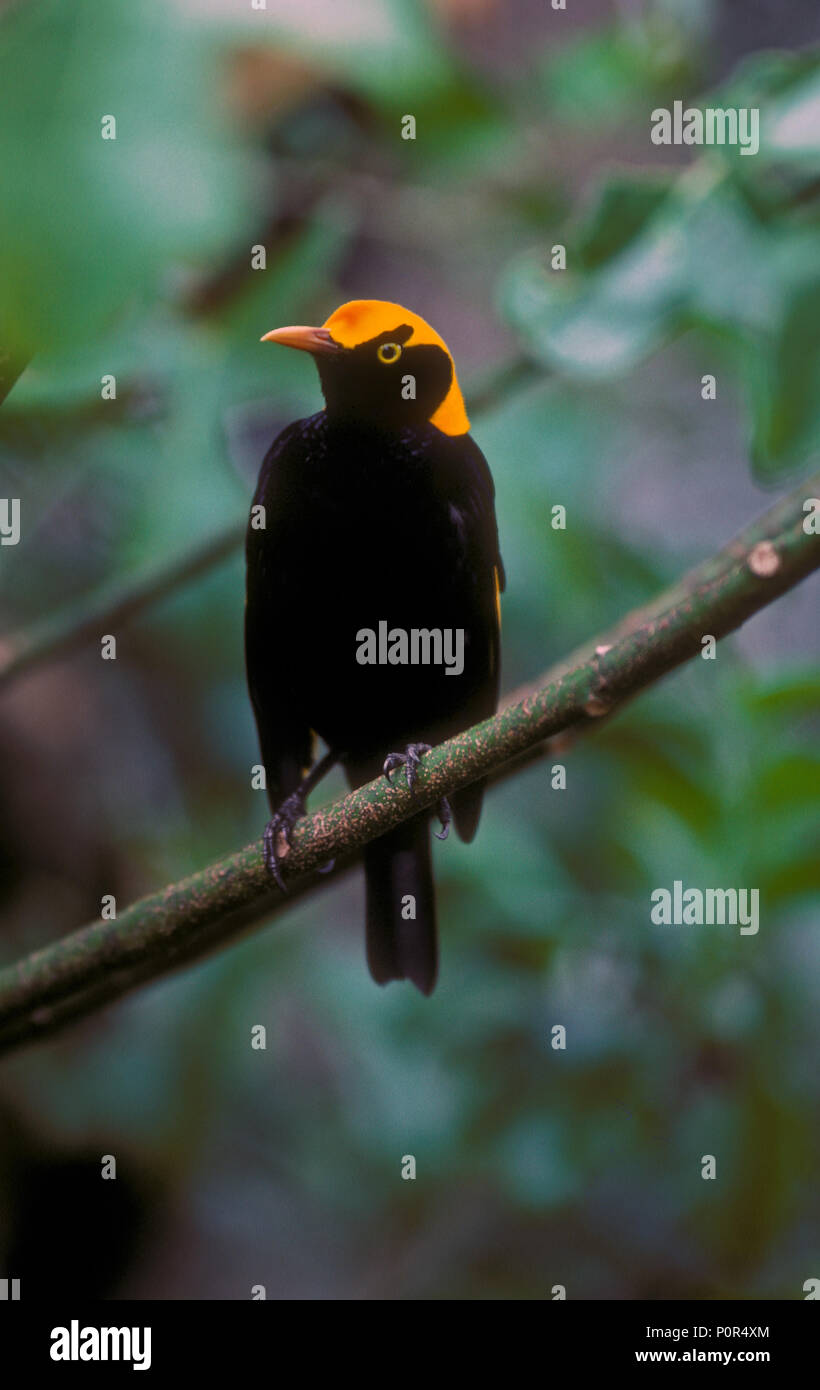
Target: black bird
372 521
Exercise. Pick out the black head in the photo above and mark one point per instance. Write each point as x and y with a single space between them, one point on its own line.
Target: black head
380 364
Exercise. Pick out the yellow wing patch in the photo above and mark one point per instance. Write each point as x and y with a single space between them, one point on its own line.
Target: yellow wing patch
362 319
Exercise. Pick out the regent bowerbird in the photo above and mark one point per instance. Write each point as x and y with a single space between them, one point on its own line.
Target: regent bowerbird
378 515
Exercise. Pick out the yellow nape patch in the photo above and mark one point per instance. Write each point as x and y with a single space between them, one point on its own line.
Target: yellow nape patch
362 319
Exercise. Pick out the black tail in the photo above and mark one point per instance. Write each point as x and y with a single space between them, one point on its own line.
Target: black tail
401 906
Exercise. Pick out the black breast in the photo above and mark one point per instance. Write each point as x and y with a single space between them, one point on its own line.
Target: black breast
360 533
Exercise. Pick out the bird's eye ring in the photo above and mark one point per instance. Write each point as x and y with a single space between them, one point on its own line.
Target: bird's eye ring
388 352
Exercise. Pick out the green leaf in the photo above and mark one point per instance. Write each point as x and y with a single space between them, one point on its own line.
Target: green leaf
782 693
782 378
700 257
603 324
791 130
790 783
602 77
87 224
621 208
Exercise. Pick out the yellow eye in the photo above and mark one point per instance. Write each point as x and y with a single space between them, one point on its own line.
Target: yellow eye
388 352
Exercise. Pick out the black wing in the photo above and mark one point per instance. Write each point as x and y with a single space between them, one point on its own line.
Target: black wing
464 479
285 738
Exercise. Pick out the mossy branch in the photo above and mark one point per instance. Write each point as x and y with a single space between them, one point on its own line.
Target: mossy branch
101 962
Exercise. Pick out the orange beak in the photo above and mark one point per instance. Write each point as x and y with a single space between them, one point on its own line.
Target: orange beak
306 339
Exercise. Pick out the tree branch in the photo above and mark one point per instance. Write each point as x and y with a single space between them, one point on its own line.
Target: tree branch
99 963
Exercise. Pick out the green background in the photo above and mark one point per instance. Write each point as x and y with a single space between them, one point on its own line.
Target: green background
282 128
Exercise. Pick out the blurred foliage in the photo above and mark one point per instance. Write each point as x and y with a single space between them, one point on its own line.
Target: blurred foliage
729 254
132 257
91 224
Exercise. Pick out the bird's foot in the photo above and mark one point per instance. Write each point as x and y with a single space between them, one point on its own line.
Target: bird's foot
281 823
409 760
445 815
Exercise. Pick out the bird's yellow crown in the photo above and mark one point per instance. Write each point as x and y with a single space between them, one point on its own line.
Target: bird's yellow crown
359 320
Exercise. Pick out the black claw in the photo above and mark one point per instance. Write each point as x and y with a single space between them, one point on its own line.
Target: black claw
281 823
409 760
326 868
445 815
415 753
391 762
